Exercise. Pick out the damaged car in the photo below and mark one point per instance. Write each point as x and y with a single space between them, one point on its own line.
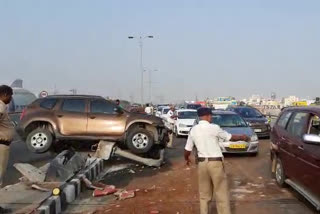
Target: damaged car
85 118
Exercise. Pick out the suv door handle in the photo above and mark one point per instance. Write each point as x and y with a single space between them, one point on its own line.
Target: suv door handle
92 117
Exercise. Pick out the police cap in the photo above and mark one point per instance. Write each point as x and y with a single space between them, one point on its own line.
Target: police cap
204 111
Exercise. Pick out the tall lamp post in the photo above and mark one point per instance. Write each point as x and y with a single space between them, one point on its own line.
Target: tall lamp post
150 83
140 39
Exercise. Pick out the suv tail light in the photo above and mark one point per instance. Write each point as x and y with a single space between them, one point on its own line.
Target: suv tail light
23 113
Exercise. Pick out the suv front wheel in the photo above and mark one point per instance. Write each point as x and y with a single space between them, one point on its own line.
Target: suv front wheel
140 140
39 140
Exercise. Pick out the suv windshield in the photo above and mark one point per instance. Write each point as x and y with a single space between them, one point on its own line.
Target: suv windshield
187 115
228 120
248 112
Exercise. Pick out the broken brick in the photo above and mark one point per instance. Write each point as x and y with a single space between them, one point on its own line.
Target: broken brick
107 190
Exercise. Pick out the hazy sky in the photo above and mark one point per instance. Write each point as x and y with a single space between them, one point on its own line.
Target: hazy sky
204 48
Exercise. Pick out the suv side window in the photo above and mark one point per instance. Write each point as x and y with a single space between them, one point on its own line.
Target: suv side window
284 118
74 105
102 106
298 124
48 103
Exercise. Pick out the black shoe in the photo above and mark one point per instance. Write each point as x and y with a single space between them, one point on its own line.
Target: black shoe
5 210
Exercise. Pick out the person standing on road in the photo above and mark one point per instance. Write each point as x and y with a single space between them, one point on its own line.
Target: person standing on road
6 131
211 171
170 124
148 110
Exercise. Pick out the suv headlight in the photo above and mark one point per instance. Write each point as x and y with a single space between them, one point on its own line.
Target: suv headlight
182 125
254 137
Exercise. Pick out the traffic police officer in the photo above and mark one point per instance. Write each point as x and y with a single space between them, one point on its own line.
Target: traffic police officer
211 173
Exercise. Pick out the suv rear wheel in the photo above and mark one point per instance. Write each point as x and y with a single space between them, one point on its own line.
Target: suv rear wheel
39 140
279 174
140 140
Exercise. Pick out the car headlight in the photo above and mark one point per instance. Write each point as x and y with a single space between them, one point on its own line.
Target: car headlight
182 125
254 137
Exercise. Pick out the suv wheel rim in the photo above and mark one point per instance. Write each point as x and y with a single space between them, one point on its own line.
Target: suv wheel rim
140 141
278 173
39 140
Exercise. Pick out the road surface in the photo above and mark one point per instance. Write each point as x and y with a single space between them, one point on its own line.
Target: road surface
20 154
174 189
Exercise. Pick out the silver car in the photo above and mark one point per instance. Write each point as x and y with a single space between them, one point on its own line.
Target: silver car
235 124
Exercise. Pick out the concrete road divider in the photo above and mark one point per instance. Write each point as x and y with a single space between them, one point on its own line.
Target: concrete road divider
69 191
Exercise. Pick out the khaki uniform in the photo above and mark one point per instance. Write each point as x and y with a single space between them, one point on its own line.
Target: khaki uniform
211 173
6 135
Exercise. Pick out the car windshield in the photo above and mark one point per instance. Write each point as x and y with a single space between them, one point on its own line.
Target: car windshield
248 112
187 115
165 110
193 106
228 120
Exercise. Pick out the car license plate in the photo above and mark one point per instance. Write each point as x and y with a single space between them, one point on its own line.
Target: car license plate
257 130
237 146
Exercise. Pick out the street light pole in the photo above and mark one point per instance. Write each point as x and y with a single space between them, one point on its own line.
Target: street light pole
140 38
150 84
142 70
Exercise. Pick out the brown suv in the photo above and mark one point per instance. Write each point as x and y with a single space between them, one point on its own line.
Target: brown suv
86 118
295 151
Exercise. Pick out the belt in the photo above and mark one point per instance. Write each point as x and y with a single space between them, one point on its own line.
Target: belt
209 159
3 142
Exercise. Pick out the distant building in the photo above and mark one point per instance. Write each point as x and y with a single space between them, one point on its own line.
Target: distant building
289 101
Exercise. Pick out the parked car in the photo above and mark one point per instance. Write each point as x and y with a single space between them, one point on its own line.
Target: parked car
183 121
159 110
235 124
295 151
164 112
192 106
256 120
85 118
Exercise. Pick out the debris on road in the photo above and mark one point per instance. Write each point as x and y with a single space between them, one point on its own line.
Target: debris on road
108 149
30 172
34 186
132 171
89 184
107 190
125 194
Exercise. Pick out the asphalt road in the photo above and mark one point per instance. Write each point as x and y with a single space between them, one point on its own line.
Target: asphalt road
20 154
253 190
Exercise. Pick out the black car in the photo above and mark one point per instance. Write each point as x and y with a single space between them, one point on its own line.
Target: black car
256 120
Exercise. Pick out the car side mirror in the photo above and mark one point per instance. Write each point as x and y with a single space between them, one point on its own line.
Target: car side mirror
311 139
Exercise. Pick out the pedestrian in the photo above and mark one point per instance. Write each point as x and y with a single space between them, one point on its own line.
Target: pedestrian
148 109
6 132
170 124
211 170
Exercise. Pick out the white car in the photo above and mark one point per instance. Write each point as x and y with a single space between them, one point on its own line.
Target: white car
160 110
184 120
